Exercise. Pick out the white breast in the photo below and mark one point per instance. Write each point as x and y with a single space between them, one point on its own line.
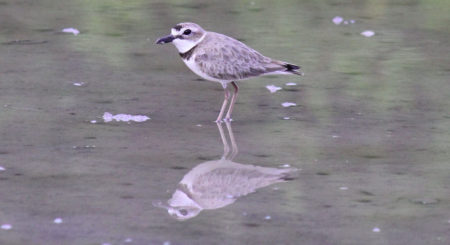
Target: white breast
196 69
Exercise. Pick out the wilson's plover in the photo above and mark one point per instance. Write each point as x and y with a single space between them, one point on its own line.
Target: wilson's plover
219 58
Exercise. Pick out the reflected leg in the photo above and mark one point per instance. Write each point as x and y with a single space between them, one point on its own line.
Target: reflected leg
234 148
233 100
226 148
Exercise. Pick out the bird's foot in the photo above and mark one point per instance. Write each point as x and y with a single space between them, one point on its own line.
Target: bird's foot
228 119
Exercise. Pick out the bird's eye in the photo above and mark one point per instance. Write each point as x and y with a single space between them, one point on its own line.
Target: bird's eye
187 32
183 212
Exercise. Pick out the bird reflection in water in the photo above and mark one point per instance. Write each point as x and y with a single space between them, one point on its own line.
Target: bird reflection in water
218 183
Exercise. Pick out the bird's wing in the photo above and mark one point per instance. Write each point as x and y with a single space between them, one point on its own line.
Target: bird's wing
225 58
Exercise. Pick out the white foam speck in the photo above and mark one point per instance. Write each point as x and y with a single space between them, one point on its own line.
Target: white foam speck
199 125
288 104
286 166
93 121
6 227
106 243
275 188
166 243
273 88
57 221
108 117
78 84
346 22
291 84
286 118
128 240
268 217
335 136
338 20
368 33
71 30
344 188
376 229
2 168
229 196
84 147
352 21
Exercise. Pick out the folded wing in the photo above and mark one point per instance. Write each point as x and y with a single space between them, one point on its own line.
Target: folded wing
227 59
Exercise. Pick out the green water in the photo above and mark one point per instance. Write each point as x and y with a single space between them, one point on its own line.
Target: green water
370 132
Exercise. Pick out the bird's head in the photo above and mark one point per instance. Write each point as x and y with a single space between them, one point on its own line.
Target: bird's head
184 36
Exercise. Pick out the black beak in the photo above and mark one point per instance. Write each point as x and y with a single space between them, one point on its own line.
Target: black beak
166 39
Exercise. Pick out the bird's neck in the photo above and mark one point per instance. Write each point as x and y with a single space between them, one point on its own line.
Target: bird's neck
187 55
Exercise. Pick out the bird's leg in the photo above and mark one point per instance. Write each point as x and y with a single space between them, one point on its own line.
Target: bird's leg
233 100
224 105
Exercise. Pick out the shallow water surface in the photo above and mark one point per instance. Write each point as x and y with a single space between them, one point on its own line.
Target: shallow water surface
367 127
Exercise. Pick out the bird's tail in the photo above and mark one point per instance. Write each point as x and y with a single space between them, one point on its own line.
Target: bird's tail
294 69
289 68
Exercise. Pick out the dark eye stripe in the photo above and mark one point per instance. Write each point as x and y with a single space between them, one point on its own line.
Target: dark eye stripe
177 27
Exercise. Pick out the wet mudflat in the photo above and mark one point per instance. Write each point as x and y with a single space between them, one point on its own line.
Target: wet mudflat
98 127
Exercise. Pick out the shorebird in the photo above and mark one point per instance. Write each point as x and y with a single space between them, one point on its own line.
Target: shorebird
220 58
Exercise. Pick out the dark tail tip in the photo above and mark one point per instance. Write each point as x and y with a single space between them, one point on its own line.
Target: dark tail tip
293 69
